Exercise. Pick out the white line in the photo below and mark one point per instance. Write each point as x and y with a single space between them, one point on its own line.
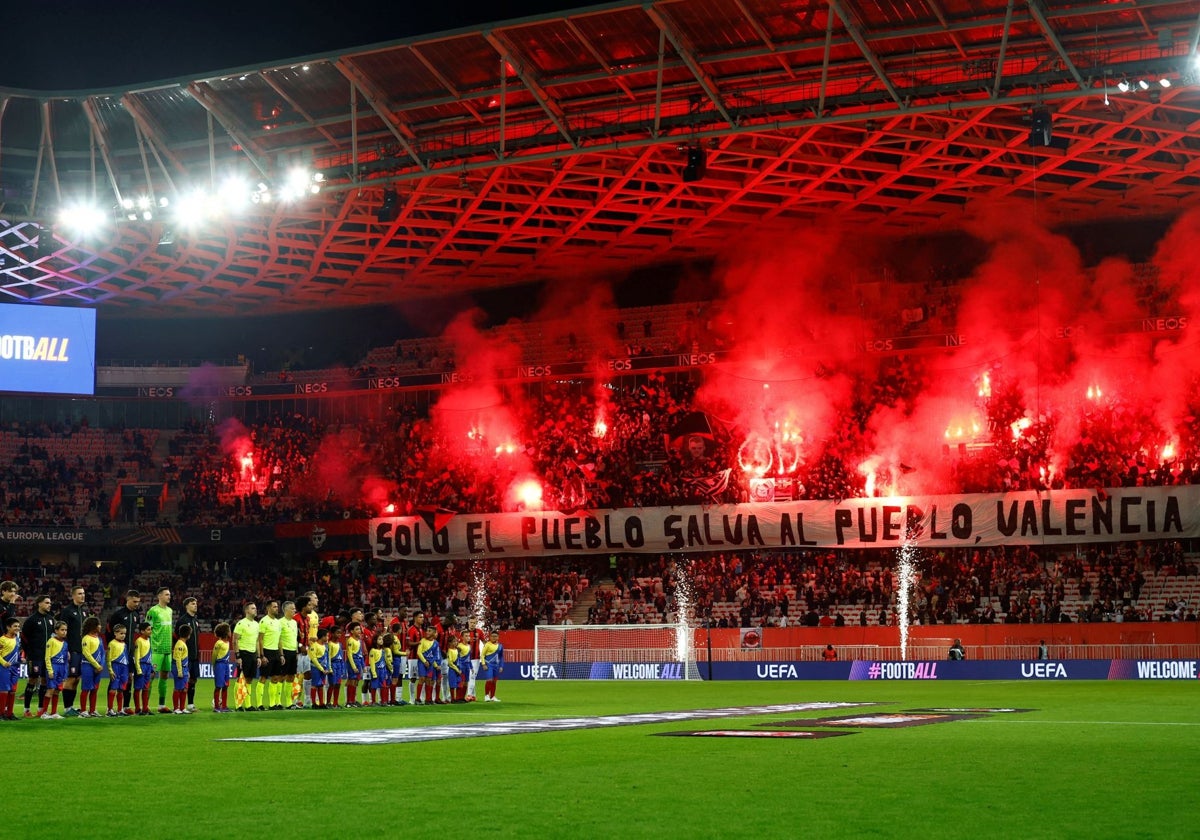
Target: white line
511 727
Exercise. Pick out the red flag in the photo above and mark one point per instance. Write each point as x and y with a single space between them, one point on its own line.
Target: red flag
436 518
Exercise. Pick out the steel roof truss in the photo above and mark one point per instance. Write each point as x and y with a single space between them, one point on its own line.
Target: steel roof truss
207 98
101 140
520 65
278 88
687 54
378 101
1035 9
446 83
869 54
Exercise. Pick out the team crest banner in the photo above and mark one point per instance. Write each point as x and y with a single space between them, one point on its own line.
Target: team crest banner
1060 517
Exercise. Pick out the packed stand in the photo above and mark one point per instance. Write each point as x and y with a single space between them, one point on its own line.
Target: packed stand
633 459
1014 585
515 595
65 474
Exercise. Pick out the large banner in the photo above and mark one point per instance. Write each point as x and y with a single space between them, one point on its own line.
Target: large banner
1061 517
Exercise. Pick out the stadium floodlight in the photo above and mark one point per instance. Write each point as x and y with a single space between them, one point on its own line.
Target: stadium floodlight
1164 81
1123 85
296 185
1143 84
82 218
195 207
145 205
233 194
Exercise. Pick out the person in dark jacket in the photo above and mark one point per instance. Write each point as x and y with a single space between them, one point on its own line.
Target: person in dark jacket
193 645
129 617
35 632
9 593
74 614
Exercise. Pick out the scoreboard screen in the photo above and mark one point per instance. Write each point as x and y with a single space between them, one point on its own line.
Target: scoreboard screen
47 349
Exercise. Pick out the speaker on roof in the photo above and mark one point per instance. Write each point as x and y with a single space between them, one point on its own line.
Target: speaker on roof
46 245
697 162
389 208
1040 131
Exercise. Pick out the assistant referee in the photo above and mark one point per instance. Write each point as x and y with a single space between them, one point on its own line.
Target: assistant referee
247 647
272 665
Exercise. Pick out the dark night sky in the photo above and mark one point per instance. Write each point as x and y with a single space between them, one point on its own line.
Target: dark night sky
84 44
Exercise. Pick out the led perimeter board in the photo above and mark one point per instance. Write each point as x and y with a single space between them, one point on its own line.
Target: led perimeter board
47 349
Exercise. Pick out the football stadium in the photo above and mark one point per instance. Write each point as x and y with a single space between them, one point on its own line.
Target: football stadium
729 418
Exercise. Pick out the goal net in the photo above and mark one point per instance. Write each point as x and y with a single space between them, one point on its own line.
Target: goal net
614 652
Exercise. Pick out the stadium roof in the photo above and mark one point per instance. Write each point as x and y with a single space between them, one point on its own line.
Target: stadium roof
556 146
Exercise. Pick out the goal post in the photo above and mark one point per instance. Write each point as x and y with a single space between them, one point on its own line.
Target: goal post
614 652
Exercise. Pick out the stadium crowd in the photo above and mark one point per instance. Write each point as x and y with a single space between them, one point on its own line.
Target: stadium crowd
655 439
1013 584
645 441
618 449
60 473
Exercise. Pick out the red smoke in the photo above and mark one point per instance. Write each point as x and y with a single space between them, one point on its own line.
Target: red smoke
1054 376
807 314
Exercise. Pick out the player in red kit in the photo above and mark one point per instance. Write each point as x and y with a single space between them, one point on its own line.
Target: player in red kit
300 685
412 638
370 630
476 636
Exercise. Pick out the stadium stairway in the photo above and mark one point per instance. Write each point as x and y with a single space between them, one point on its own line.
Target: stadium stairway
159 455
161 451
585 600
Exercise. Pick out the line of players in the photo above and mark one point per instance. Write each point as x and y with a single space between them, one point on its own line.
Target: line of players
264 658
98 662
64 653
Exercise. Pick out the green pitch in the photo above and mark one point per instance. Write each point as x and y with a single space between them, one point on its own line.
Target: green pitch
1111 759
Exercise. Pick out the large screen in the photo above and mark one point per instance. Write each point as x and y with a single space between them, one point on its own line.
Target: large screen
47 349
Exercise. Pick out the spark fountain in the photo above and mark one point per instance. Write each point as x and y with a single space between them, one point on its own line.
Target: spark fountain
684 612
479 593
907 556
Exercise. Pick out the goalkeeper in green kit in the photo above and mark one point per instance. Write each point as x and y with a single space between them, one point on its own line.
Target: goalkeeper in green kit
162 628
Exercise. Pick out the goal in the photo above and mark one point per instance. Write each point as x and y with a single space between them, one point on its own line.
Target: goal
614 652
